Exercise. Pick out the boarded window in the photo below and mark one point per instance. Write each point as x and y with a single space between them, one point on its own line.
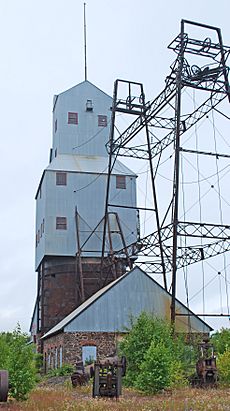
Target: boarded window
102 121
120 182
72 118
61 223
61 179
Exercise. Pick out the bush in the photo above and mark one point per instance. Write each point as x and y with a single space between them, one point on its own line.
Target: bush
155 359
155 370
66 369
221 340
19 359
223 367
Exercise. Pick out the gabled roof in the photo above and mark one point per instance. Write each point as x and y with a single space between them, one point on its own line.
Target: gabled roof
104 291
82 84
84 164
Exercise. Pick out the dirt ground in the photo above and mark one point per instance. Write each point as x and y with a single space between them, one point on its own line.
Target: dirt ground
57 394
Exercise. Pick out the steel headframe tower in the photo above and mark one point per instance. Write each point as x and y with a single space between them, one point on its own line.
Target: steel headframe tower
159 251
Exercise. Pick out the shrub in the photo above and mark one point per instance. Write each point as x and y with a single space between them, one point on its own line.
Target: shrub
66 369
223 367
155 370
153 354
19 359
221 340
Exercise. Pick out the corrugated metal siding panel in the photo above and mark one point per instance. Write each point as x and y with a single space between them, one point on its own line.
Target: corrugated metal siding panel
87 192
86 138
135 293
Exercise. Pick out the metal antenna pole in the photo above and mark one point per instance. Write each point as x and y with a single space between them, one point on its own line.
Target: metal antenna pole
85 43
176 173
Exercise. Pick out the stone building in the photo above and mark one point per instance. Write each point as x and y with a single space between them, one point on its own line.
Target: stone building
94 329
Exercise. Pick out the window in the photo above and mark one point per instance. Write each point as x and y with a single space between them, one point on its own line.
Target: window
55 126
121 182
72 118
61 223
43 225
102 121
89 105
61 179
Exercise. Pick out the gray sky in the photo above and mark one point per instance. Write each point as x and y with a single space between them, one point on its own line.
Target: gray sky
42 55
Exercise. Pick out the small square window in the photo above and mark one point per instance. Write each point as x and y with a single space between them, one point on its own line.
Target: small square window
61 223
61 179
72 118
102 121
89 105
121 182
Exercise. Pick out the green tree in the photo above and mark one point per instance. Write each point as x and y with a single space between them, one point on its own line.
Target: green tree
18 357
221 340
223 367
153 354
155 371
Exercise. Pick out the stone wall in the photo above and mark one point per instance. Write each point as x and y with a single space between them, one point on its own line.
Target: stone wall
67 347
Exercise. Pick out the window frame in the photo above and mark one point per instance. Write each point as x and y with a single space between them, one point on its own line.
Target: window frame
61 178
72 118
121 182
102 120
61 223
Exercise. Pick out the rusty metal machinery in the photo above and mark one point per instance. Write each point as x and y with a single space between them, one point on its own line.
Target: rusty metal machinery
4 385
80 376
206 369
107 377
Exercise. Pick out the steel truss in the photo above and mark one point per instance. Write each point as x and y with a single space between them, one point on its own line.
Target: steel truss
159 252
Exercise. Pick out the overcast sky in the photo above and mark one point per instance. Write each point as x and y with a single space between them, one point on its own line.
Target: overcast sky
42 55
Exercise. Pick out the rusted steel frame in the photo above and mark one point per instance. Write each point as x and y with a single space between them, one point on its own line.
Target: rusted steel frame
91 234
205 153
188 255
110 167
175 206
123 241
113 265
155 203
190 121
78 257
155 107
203 230
223 61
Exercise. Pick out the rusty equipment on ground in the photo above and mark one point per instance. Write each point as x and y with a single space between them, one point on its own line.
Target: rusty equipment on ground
80 376
108 373
4 385
206 366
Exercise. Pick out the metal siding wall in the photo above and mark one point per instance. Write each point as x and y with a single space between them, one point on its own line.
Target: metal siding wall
72 139
132 295
40 214
87 191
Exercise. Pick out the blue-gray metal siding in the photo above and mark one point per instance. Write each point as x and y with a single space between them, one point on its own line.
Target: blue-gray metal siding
134 293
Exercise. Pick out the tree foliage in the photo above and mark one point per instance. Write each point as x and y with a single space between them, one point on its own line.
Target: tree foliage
221 340
18 357
155 358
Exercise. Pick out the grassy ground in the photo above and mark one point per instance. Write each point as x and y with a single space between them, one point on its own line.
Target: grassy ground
65 398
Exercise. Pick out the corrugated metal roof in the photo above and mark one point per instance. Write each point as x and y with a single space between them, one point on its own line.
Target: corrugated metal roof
87 164
62 324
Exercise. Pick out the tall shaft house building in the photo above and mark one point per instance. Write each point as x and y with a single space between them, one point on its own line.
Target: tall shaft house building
70 206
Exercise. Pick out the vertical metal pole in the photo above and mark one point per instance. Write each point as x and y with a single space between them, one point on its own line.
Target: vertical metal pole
176 174
78 257
154 195
111 139
85 43
226 82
